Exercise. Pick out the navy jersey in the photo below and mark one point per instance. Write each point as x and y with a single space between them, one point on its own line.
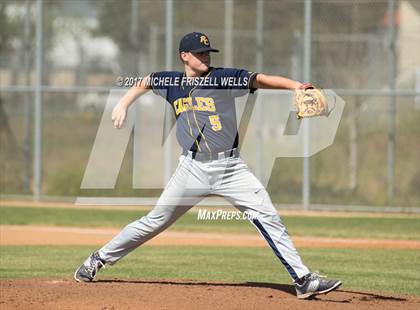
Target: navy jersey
204 107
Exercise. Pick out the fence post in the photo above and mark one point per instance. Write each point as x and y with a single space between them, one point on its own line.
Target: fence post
228 33
392 102
38 103
168 111
306 184
26 97
259 37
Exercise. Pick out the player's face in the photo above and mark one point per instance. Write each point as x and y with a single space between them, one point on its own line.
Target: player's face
199 62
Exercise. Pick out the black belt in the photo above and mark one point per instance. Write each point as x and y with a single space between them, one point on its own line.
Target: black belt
203 156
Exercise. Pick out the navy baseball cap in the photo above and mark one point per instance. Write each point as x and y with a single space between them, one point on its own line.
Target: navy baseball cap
196 42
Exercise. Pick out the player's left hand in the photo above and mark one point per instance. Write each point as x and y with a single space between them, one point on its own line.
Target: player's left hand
310 101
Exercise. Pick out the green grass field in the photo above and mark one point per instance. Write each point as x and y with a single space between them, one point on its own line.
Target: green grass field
387 271
375 270
407 228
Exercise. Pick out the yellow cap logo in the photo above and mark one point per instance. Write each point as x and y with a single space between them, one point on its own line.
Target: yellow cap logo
204 39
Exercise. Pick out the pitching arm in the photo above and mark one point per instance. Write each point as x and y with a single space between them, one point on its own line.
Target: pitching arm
275 82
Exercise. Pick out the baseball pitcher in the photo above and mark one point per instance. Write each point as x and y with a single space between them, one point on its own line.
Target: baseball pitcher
203 100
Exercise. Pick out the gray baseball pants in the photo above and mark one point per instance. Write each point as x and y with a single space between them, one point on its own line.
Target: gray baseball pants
193 179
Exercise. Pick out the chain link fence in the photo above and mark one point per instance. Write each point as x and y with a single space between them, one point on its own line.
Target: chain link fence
88 44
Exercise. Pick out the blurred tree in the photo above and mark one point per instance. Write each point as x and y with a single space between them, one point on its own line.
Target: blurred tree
5 127
127 29
8 27
17 42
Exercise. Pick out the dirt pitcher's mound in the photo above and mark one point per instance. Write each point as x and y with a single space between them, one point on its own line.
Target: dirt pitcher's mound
181 294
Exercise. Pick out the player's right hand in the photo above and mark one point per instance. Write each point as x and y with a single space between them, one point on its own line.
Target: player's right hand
118 115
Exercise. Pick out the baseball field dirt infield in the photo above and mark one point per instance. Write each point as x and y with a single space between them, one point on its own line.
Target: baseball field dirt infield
177 294
65 293
50 235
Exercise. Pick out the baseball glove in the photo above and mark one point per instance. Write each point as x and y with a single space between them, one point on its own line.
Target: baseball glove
310 102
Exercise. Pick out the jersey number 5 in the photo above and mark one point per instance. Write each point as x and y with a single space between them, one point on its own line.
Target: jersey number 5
215 122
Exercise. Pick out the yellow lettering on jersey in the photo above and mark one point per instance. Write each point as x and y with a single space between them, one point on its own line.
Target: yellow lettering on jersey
201 104
216 125
210 106
178 106
187 104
